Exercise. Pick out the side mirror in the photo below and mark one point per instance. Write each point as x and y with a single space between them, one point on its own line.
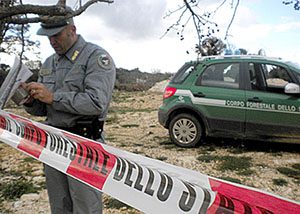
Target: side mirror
292 88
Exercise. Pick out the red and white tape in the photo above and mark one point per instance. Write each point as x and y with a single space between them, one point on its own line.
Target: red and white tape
149 185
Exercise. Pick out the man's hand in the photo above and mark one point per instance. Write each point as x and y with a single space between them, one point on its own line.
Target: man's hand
39 91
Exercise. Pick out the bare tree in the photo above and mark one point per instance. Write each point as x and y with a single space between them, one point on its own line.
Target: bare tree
13 15
14 38
190 13
295 3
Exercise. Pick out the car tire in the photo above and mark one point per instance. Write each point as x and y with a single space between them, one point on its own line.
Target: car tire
185 130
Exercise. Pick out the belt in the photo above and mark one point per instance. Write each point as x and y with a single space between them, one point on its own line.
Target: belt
88 129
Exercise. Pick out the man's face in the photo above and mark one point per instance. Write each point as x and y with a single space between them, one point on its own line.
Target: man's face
62 41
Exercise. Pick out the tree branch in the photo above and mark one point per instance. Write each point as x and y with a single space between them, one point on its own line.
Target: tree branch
232 18
14 14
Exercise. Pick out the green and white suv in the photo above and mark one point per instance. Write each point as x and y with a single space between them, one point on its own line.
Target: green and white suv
249 97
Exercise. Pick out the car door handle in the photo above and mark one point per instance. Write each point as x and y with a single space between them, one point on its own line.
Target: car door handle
255 99
199 94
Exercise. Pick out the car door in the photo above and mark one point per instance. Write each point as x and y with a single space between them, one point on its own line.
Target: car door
218 95
271 113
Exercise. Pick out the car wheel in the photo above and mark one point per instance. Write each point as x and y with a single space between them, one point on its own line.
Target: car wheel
185 130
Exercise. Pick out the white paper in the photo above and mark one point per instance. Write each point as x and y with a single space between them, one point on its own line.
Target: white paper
13 80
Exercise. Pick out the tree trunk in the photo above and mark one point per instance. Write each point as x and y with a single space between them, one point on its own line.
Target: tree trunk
3 22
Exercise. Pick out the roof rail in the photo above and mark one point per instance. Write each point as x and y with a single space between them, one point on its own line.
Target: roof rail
250 56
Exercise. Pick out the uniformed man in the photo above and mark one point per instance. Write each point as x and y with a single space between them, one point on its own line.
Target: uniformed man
73 91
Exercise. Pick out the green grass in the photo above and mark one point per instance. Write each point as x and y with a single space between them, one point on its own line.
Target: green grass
234 163
130 126
30 160
112 118
241 165
10 173
297 181
15 189
123 110
123 145
289 172
137 152
296 166
279 182
234 180
206 149
112 203
162 158
165 141
170 146
138 144
110 138
2 209
162 139
246 172
236 150
207 158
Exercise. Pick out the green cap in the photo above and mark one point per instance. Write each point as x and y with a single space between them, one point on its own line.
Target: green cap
52 28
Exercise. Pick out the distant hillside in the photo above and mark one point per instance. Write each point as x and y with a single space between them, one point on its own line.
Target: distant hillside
126 80
135 80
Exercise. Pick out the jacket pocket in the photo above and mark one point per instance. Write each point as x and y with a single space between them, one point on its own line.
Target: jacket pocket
74 79
49 82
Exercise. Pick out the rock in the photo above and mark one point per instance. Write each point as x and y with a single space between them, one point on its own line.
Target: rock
17 204
38 179
30 197
38 172
159 87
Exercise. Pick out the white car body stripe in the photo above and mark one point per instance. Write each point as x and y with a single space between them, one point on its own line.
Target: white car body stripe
222 103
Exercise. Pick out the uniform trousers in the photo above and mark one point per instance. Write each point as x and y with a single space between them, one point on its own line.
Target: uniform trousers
70 196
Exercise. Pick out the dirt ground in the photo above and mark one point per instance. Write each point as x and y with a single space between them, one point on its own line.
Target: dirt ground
133 126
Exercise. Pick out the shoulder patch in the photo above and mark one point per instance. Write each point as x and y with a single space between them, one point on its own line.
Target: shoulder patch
104 61
45 72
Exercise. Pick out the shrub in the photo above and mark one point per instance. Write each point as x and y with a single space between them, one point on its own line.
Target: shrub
296 166
162 158
235 163
234 180
115 204
289 172
279 182
207 158
16 189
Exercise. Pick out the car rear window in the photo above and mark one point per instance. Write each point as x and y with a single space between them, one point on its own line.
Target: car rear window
183 73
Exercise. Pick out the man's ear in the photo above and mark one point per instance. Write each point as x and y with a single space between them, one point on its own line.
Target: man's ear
73 29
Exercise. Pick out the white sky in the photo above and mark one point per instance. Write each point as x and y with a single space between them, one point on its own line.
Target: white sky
131 31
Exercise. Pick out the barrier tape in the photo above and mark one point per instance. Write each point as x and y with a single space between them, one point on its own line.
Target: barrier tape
148 185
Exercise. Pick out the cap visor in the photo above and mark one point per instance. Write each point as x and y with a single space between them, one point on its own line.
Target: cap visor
50 31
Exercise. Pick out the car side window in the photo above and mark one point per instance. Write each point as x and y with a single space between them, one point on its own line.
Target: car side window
298 76
268 77
224 75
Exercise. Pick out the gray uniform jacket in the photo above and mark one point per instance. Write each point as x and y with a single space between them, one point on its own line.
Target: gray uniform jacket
82 81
